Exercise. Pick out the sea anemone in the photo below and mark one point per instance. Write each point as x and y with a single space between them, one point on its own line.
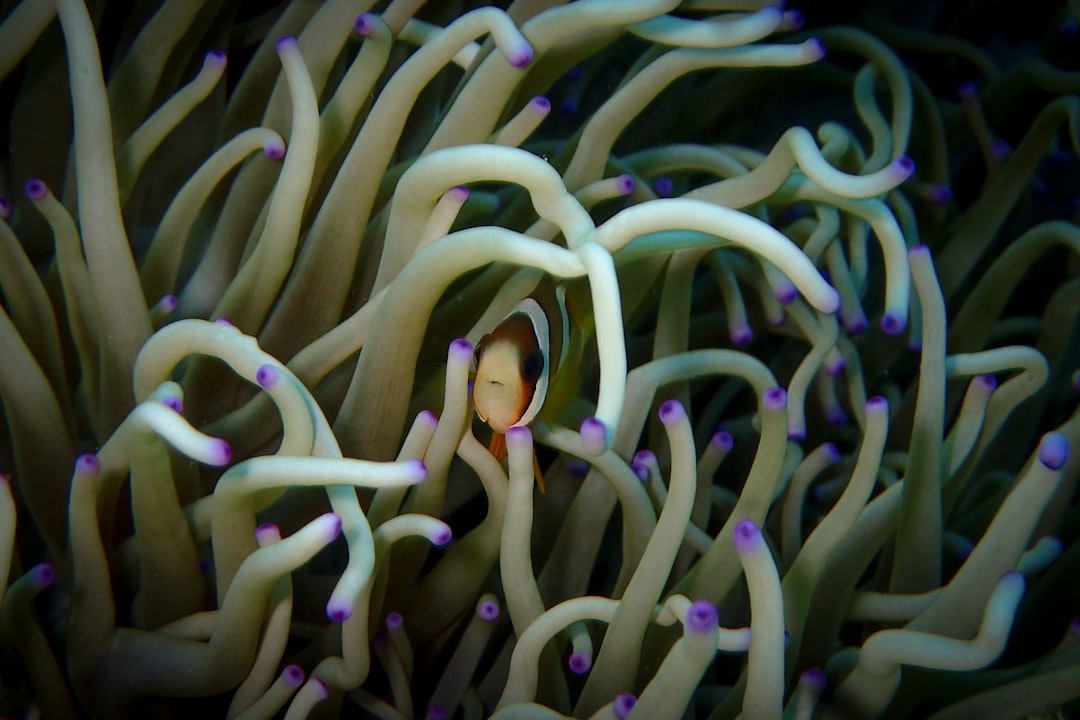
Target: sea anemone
804 449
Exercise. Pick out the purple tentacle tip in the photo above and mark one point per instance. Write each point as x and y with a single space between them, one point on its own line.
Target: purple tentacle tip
519 434
441 536
428 418
417 469
395 621
521 58
893 323
43 575
941 194
640 470
989 382
217 57
174 403
775 398
578 468
1000 148
624 184
267 376
747 535
741 336
461 349
722 441
835 417
835 364
274 150
333 525
796 434
1074 626
815 48
857 325
285 42
919 250
664 186
5 208
644 456
293 675
967 90
267 533
540 104
87 464
795 20
1053 450
702 617
436 712
786 293
338 612
594 435
224 322
623 704
1013 577
36 189
813 679
579 663
903 166
364 25
168 302
877 404
488 610
671 412
221 453
831 452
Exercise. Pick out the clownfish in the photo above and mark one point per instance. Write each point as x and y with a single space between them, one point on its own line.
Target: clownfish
526 366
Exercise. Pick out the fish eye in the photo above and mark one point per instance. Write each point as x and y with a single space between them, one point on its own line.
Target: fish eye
532 366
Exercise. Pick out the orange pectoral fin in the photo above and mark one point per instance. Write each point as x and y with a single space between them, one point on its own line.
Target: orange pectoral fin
497 446
538 475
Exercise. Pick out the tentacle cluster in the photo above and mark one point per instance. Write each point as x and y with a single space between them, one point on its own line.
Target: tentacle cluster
817 429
